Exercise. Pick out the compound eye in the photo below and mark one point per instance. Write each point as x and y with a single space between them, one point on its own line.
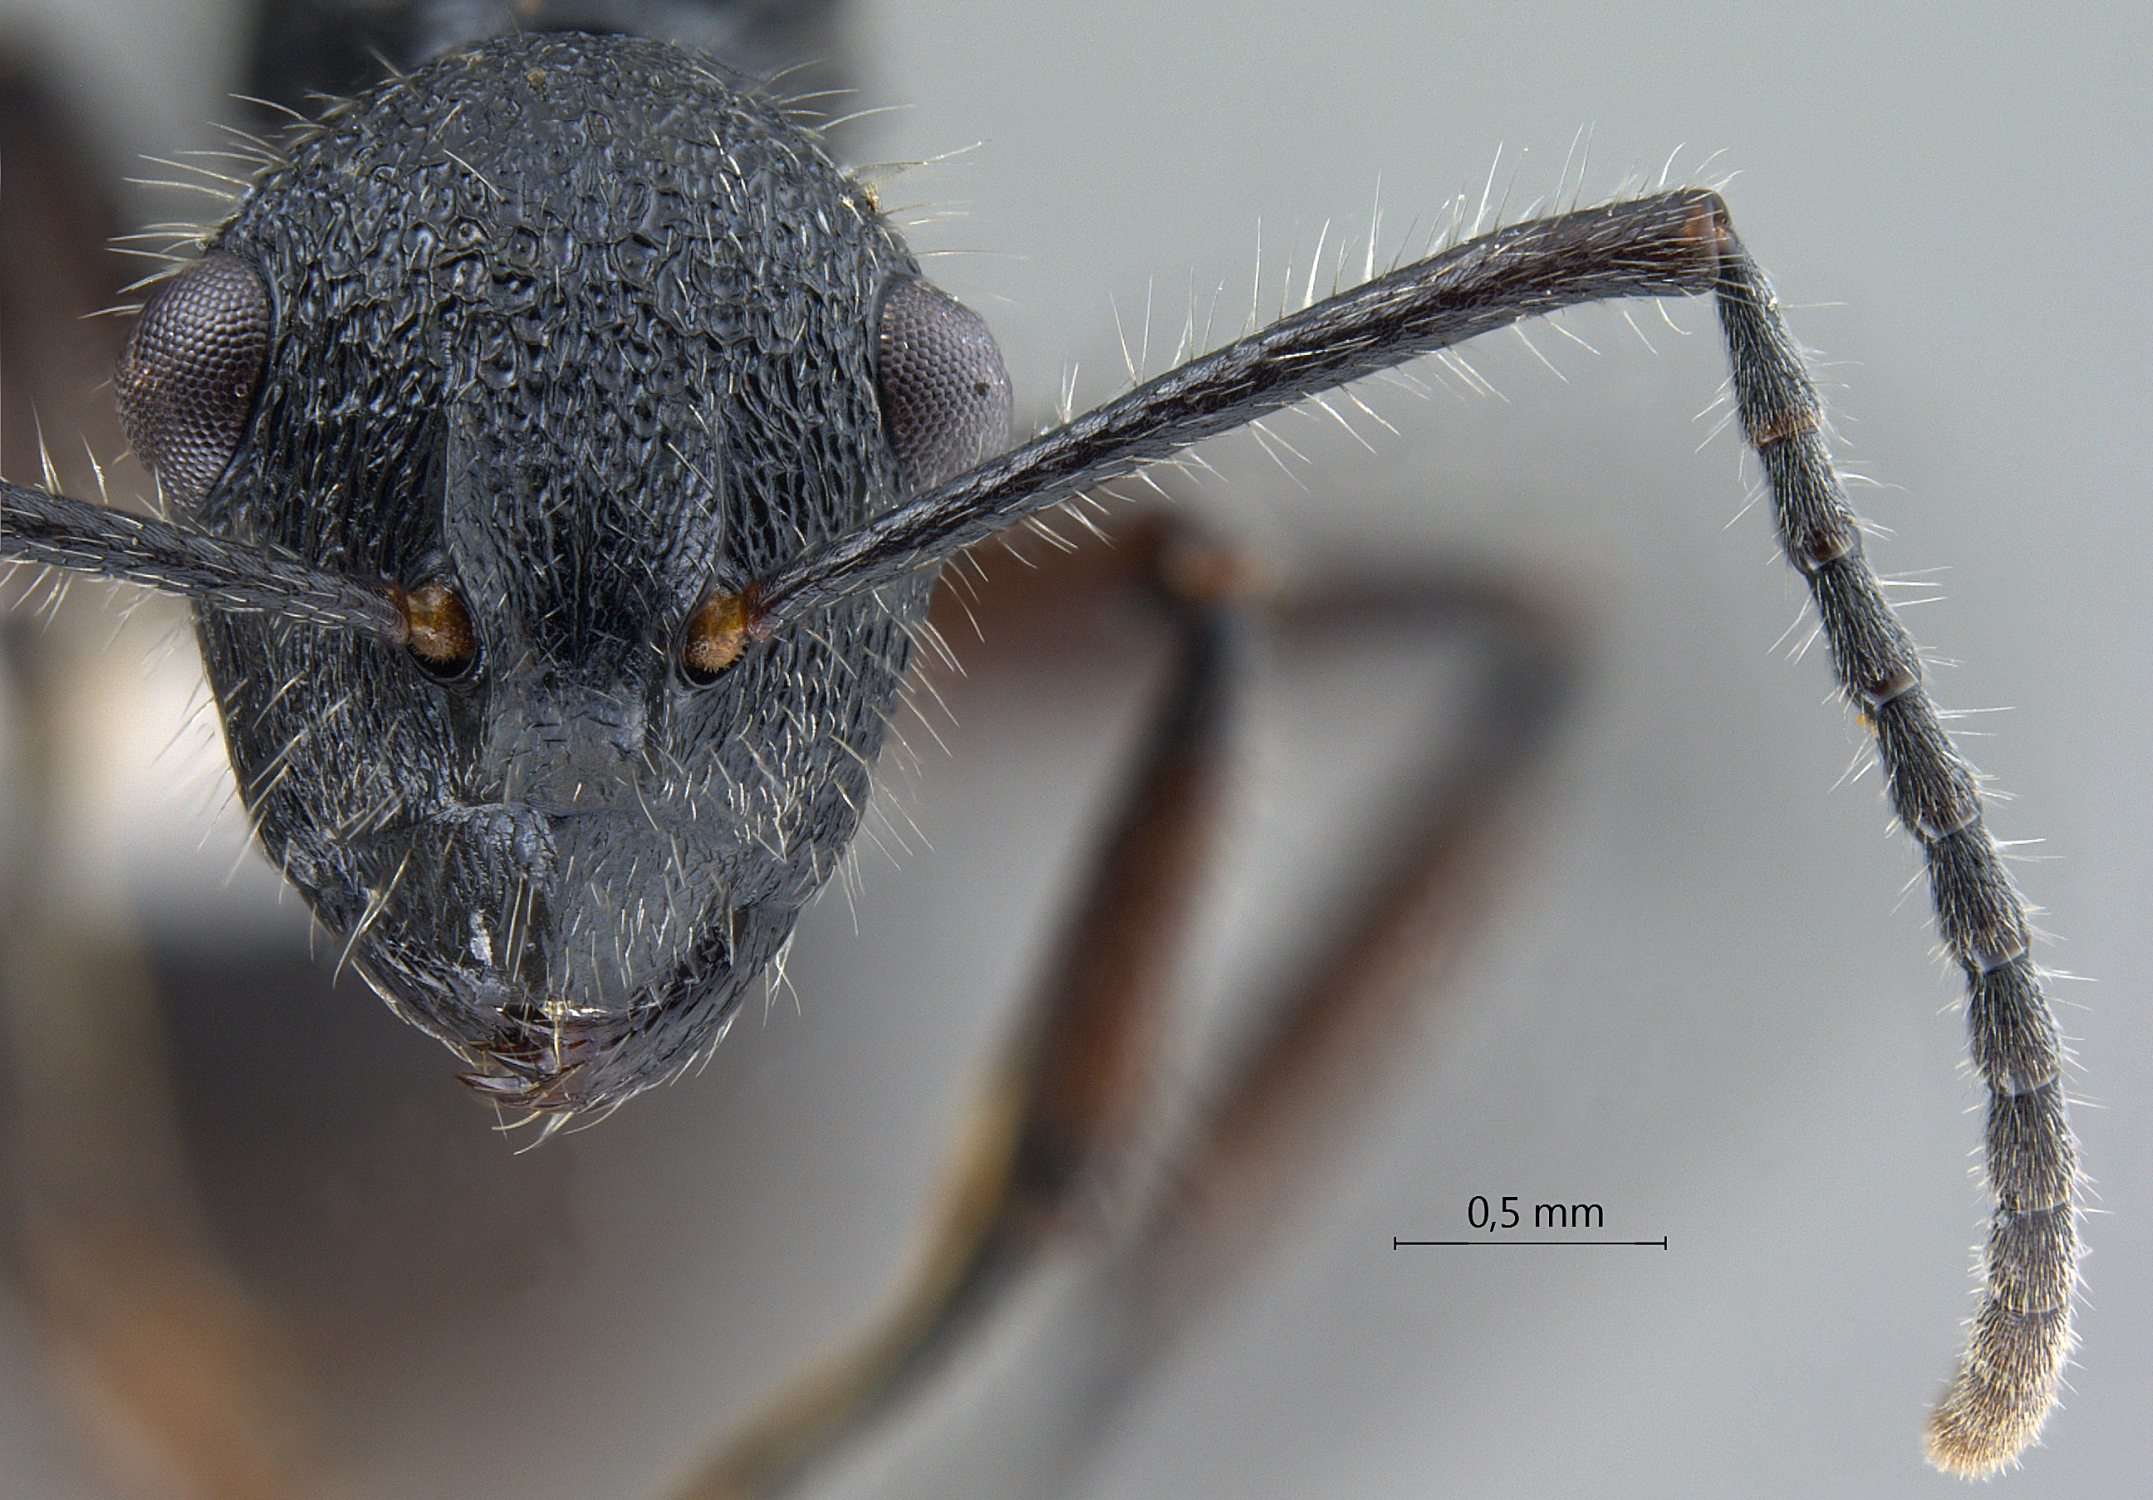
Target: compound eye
189 371
945 395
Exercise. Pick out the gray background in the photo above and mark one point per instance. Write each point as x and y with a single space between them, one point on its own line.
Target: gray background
1706 998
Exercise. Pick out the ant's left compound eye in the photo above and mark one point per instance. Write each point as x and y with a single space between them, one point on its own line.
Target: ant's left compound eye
945 395
189 371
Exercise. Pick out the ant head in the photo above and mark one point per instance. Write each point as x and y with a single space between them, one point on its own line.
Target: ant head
569 340
585 382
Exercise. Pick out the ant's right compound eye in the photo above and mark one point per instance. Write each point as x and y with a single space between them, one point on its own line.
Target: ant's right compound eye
189 372
945 395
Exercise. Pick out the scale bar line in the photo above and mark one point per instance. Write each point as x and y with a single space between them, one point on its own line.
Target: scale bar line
1398 1244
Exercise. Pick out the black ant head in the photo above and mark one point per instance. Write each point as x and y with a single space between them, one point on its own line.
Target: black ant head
567 448
569 340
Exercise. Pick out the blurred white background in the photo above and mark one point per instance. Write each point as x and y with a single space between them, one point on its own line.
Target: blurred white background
1707 1000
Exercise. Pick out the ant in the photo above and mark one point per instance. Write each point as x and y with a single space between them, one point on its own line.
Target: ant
539 1066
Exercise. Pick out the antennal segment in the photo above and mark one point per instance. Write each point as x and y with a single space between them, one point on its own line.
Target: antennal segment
1650 247
60 532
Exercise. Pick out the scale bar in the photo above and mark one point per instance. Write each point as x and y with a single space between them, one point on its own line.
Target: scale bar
1398 1244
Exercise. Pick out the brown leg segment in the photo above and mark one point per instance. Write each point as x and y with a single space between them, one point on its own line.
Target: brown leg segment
1053 1145
1339 1035
1343 1034
1051 1139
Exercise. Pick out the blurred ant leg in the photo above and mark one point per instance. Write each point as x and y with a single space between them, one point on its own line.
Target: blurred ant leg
1045 1153
1051 1162
1351 1026
1345 1028
156 1342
